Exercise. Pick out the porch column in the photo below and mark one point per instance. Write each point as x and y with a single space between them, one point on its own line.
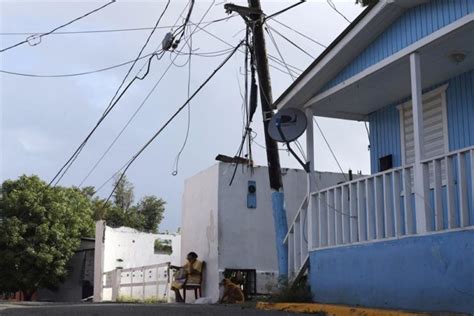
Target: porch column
310 177
421 196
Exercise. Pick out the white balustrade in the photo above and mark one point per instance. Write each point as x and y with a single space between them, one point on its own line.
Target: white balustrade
152 281
382 206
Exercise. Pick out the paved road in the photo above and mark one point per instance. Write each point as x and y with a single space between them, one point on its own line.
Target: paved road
135 310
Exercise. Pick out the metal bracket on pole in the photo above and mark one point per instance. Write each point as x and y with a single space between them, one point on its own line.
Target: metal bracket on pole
245 12
267 116
306 166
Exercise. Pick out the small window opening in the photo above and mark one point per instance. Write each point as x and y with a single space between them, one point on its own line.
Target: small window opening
163 247
245 278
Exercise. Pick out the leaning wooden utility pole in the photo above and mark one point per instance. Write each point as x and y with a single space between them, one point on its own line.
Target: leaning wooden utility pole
254 17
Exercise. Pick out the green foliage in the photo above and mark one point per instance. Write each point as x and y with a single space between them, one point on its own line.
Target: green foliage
365 3
288 292
123 194
163 246
144 216
152 209
127 299
40 228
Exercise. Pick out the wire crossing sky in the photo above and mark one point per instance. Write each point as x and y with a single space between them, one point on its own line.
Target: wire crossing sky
45 118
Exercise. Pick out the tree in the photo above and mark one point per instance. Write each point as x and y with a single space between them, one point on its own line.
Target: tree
40 228
144 216
152 209
123 194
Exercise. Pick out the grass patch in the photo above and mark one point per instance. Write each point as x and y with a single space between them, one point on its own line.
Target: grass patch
148 300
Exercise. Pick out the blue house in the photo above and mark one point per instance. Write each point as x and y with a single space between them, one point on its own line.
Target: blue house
402 237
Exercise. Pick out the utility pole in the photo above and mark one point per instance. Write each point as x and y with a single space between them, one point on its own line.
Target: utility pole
253 15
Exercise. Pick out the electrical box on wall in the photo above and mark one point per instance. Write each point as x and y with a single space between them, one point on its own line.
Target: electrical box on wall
252 194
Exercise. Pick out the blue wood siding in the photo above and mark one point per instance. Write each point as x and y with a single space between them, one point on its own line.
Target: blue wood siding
412 26
385 136
460 111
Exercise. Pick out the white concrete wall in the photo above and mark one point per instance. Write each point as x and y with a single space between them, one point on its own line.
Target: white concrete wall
136 248
246 237
127 248
199 226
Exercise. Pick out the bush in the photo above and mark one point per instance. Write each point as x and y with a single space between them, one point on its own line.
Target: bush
287 292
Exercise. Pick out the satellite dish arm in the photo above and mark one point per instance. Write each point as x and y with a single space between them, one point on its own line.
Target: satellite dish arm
305 165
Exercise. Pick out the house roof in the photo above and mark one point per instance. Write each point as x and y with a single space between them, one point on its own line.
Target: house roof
348 45
326 51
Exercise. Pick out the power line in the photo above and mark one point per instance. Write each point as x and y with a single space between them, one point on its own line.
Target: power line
178 156
284 10
279 52
203 54
141 105
60 174
330 148
173 117
333 6
230 45
72 74
38 37
111 30
299 33
21 74
290 41
125 127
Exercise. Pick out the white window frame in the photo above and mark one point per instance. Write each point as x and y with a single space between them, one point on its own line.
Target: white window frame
403 106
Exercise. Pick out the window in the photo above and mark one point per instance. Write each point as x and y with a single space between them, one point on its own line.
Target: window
435 139
163 247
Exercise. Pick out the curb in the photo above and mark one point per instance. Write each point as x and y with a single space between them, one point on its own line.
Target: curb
330 310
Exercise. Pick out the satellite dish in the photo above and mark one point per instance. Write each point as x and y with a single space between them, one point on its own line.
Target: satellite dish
287 125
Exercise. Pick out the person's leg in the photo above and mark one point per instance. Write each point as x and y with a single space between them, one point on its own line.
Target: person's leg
177 294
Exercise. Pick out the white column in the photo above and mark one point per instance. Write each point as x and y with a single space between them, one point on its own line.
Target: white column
99 260
421 207
311 179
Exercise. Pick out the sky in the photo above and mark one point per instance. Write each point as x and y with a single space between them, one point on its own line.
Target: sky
43 120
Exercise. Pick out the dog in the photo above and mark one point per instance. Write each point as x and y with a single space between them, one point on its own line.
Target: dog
232 293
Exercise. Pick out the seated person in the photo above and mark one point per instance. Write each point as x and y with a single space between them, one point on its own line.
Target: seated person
233 294
190 273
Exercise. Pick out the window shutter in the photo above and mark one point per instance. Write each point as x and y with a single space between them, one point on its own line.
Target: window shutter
434 138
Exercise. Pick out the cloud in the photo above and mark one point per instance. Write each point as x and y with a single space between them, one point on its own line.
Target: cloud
33 141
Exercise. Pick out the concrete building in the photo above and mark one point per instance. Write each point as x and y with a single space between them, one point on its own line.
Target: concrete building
125 248
231 227
78 284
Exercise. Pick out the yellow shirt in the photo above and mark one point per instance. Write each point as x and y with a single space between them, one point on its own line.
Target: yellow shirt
193 277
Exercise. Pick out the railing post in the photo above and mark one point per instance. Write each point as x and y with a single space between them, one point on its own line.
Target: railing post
144 280
131 283
157 273
311 179
115 284
423 218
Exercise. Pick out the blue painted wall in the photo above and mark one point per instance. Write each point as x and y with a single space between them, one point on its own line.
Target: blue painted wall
460 110
431 273
410 27
385 136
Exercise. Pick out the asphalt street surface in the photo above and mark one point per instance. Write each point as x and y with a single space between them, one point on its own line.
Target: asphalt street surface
133 309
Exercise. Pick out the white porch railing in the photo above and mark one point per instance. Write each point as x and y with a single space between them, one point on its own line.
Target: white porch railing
141 283
382 206
451 188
